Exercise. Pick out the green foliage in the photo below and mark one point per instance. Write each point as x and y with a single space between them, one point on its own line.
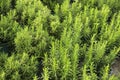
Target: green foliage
32 41
5 6
19 66
30 10
9 26
23 41
59 39
51 3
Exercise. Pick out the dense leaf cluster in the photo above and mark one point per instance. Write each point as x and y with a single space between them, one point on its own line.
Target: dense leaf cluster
58 39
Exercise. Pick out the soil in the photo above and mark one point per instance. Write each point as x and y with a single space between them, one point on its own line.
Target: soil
115 67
